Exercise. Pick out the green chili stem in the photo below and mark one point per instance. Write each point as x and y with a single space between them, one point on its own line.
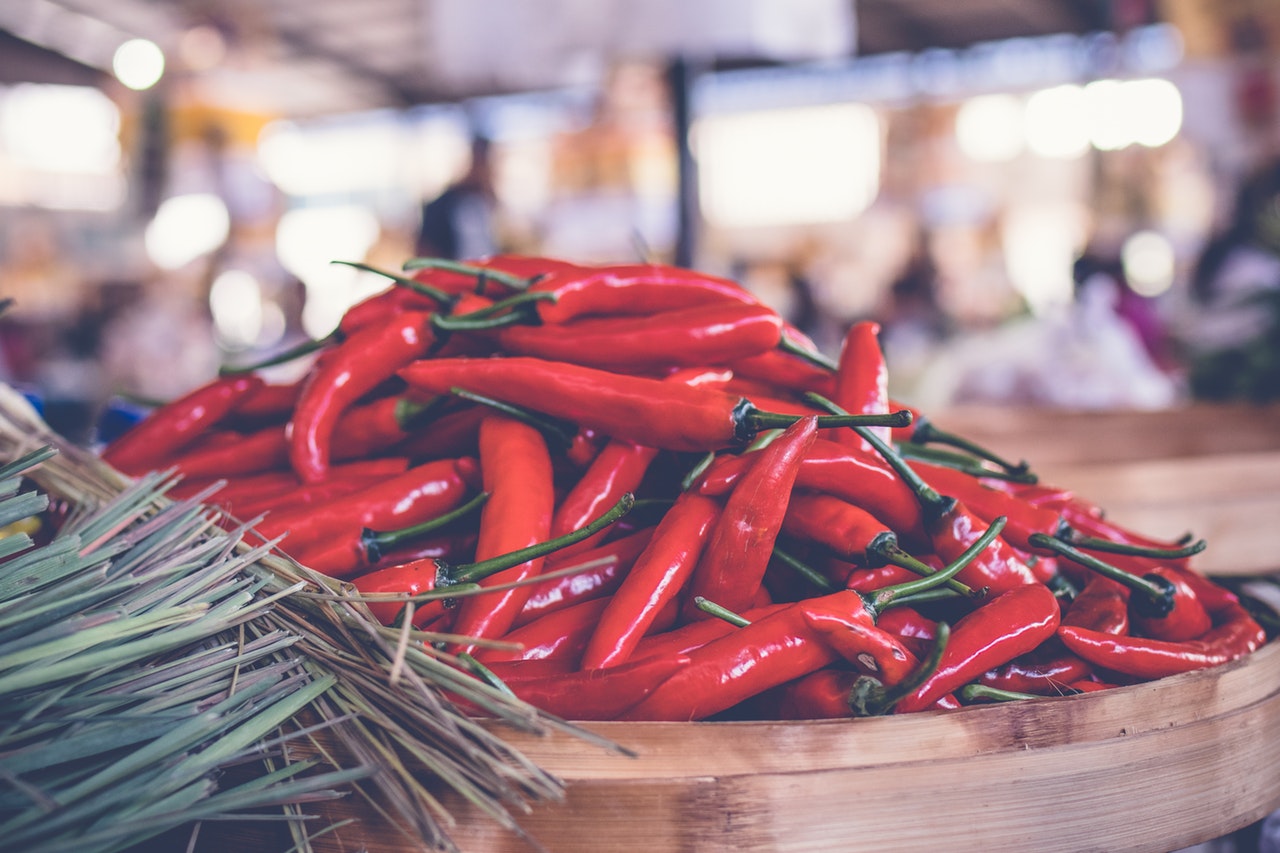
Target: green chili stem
962 462
556 431
977 692
887 549
925 432
504 278
1094 543
484 673
883 597
443 299
377 542
304 348
472 323
719 612
806 571
482 569
929 596
1158 591
935 505
759 420
870 698
790 345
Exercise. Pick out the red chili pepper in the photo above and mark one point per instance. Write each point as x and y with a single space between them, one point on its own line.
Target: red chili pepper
657 577
359 365
692 635
596 694
619 468
419 494
455 433
917 632
859 478
784 370
638 289
667 415
988 503
261 451
684 337
344 479
821 695
862 380
516 468
1234 635
777 648
560 635
177 424
733 565
609 564
1048 670
1102 606
268 402
1009 625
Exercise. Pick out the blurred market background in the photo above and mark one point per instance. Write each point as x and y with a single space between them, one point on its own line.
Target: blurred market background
1066 203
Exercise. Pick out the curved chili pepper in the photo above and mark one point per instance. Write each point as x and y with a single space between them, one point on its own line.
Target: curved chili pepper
862 380
657 577
784 370
681 337
691 635
821 695
264 450
1011 624
1164 605
561 635
667 415
516 469
952 527
246 500
595 694
1235 634
268 402
420 493
177 424
607 564
861 479
1048 670
917 632
987 503
1102 606
631 289
778 648
618 468
419 580
361 363
733 565
453 433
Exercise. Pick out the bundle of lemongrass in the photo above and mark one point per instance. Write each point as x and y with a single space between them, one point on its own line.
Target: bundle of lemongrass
145 652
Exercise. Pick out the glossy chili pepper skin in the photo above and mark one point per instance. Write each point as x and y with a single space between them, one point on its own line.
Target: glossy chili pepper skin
733 565
646 411
618 468
1188 618
657 577
693 635
1235 634
773 650
1102 606
264 450
821 695
847 531
608 564
269 402
516 469
988 503
1009 625
561 635
359 365
409 579
862 479
784 370
682 337
596 694
419 494
637 289
998 569
1047 671
344 479
862 380
177 424
454 433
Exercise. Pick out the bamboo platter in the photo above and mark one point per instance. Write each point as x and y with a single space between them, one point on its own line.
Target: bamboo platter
1152 767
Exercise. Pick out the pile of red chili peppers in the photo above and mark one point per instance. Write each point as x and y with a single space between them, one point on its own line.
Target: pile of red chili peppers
634 492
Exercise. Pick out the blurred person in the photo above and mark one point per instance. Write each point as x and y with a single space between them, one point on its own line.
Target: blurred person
1231 334
913 323
459 223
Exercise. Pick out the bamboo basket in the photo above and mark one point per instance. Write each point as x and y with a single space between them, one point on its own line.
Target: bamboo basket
1152 767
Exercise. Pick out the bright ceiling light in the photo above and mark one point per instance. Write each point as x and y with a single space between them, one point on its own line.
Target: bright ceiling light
1148 263
186 227
1057 122
62 129
138 64
1157 111
308 240
989 128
